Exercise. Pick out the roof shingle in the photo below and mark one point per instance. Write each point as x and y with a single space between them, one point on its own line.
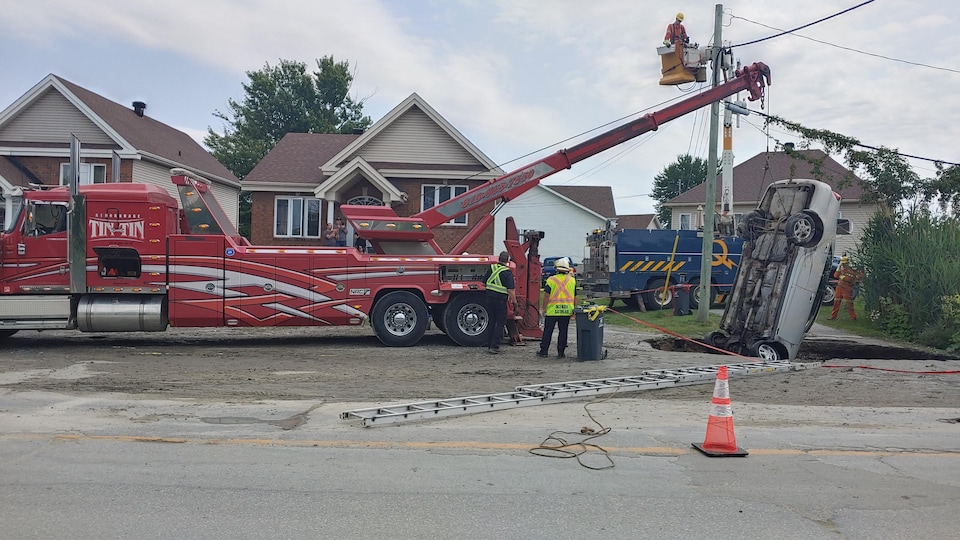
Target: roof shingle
751 178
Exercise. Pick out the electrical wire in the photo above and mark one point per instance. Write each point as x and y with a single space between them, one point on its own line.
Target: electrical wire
851 49
861 145
818 21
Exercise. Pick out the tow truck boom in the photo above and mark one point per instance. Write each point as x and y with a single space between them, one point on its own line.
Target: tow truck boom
752 78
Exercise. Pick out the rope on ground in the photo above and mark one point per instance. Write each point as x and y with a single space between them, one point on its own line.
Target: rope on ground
556 446
951 372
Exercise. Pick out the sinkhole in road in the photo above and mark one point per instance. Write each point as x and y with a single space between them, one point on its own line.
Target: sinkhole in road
819 350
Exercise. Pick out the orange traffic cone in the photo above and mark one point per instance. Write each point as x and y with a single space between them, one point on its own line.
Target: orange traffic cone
720 440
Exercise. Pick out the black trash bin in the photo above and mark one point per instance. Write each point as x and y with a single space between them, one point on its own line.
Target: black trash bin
589 332
681 299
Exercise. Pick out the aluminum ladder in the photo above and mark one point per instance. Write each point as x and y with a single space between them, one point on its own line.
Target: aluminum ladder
525 396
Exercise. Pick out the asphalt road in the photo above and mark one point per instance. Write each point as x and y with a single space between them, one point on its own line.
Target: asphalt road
240 436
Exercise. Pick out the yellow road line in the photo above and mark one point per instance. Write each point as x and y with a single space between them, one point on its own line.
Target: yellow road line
663 451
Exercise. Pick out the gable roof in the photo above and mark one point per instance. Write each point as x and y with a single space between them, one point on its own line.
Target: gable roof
598 199
133 134
638 221
751 178
408 108
296 160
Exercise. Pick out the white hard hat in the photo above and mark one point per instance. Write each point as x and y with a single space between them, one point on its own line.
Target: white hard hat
562 264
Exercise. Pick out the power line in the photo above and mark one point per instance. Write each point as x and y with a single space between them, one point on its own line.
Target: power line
858 51
818 21
867 146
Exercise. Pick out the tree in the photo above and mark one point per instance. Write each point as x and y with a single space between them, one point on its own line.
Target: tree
279 100
912 285
887 178
676 178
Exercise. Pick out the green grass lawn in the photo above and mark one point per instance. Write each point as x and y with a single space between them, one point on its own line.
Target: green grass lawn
687 325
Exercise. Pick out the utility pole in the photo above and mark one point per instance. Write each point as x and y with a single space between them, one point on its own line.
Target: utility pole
710 207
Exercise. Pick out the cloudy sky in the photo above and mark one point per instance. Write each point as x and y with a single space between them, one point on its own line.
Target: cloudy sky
519 78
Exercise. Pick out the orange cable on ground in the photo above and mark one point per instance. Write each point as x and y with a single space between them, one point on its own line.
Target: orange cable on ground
676 335
951 372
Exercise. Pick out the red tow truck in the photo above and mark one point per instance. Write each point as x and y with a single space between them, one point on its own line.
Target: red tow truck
126 257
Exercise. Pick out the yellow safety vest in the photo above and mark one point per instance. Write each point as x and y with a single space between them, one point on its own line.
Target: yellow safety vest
563 290
493 282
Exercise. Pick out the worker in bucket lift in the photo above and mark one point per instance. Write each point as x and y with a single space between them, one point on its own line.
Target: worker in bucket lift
561 289
676 33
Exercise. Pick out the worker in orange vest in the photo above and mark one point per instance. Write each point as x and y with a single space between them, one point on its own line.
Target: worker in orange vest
847 279
561 289
676 33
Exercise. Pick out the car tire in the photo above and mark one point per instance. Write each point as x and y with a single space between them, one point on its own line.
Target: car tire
715 339
804 228
751 226
829 294
766 351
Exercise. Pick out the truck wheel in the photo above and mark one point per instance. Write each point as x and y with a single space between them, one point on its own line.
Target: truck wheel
7 333
804 228
436 314
399 319
466 320
695 294
656 298
632 301
766 351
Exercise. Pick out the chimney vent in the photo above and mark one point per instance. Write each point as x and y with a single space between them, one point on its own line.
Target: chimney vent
138 107
788 147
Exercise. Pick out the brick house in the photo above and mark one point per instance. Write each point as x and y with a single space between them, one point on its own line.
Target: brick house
410 159
35 136
750 181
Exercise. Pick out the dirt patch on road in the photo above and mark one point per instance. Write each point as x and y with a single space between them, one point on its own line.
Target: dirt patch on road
349 364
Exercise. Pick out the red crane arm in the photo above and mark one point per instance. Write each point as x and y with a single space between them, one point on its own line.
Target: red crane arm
752 78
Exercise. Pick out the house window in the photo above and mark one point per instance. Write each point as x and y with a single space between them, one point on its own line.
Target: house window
90 173
365 200
296 217
685 222
434 195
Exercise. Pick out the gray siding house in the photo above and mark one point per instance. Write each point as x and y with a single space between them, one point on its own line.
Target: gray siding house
35 135
751 178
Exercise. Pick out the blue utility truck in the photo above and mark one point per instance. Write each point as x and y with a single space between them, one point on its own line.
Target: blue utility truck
644 266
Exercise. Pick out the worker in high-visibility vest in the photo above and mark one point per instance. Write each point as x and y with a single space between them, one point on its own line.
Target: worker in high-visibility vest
847 279
561 289
500 290
676 33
